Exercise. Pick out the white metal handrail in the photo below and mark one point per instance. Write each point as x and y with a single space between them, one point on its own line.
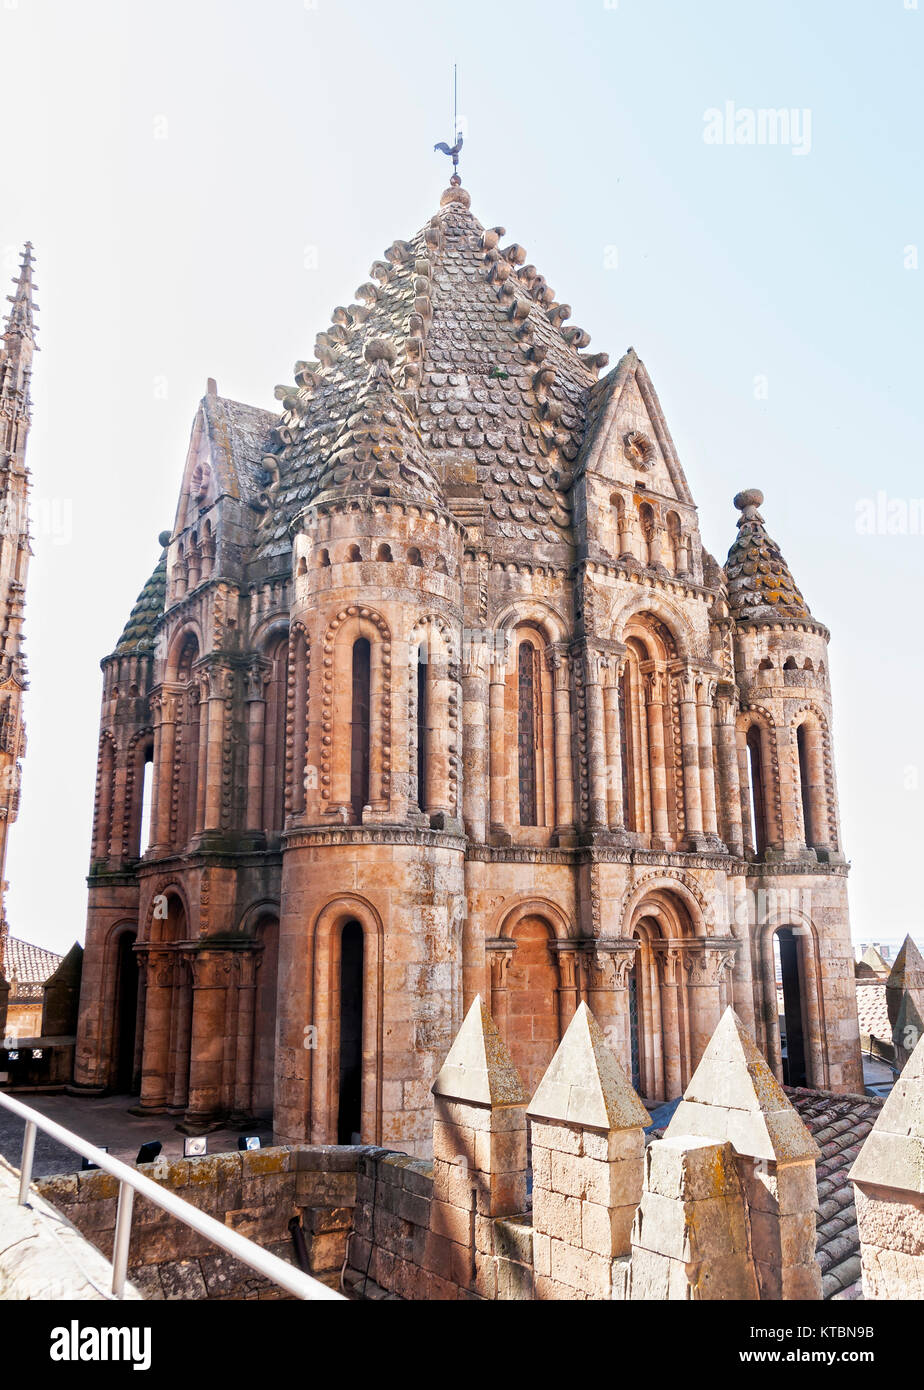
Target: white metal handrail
294 1281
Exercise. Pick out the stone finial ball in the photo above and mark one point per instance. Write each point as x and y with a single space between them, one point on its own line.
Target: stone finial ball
751 497
380 350
164 539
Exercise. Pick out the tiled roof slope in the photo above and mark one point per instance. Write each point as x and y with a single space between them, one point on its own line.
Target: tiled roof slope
496 384
239 434
760 586
839 1125
873 1010
32 965
138 635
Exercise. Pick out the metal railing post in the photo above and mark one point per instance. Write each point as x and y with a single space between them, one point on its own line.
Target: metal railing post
123 1235
25 1166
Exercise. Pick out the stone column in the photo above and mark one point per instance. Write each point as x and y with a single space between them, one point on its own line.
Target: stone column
219 681
615 811
771 1011
257 679
689 735
606 969
595 665
669 957
500 953
203 758
705 692
706 961
165 773
656 682
564 771
182 999
248 963
211 978
159 968
567 955
475 750
729 781
498 741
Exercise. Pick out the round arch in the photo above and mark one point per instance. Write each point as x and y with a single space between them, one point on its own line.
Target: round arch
326 967
508 917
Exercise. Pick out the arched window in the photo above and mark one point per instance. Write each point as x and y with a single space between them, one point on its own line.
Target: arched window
265 1009
125 1014
384 555
423 711
757 801
188 752
414 557
528 713
788 979
813 796
141 829
360 724
627 750
274 740
350 1104
647 524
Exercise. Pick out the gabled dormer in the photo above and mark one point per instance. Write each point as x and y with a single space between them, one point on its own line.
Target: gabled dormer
219 504
630 492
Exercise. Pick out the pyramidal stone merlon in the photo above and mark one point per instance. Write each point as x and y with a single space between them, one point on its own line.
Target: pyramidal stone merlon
733 1095
585 1085
478 1069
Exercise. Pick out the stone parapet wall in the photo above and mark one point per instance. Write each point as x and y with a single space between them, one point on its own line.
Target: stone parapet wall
256 1194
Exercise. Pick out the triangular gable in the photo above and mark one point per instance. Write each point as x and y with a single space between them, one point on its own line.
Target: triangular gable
627 437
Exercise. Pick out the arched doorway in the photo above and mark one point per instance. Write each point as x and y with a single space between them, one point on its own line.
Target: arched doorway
125 1078
350 1092
264 1024
532 1001
788 982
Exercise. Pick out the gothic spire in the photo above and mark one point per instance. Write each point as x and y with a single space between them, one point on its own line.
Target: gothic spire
20 324
760 586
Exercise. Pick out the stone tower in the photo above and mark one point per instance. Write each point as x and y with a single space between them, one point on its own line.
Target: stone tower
16 352
437 693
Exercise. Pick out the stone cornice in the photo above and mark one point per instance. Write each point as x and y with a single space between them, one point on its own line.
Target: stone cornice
319 836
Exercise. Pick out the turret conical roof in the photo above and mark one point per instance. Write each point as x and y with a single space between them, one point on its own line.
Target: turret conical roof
760 586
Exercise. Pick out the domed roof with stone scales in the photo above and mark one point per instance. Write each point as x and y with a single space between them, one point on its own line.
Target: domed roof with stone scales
760 586
488 389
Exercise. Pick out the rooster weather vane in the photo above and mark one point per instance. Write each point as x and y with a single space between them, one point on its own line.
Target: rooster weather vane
453 151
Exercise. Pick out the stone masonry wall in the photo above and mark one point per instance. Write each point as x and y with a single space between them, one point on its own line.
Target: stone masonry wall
256 1194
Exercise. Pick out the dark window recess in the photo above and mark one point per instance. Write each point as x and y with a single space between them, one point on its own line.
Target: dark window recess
807 818
359 728
758 806
633 1032
527 725
792 1038
349 1117
127 1012
422 729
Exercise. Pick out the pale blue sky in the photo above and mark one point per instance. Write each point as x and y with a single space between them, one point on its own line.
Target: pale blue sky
174 163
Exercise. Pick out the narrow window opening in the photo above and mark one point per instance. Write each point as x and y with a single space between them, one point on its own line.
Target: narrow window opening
147 779
422 713
360 725
805 788
756 789
528 725
349 1118
788 982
